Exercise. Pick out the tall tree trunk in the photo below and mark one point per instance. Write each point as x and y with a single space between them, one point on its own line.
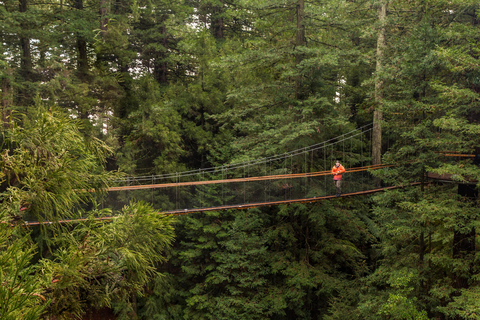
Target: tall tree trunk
82 59
463 244
161 68
378 113
103 11
217 23
300 25
26 63
300 41
25 97
82 69
6 102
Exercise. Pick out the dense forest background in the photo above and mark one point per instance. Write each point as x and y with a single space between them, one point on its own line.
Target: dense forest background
92 89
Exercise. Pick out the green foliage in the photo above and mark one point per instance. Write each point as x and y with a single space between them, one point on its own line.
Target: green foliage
49 167
99 264
175 85
264 264
155 143
423 264
464 306
400 303
21 294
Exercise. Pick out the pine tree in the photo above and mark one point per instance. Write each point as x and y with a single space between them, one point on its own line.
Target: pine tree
427 258
291 262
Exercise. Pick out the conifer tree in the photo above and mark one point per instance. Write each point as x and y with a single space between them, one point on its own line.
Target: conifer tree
427 228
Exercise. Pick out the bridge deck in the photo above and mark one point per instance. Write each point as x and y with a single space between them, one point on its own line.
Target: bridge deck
229 207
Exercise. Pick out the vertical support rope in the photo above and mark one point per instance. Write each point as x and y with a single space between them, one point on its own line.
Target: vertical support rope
291 171
153 182
361 156
265 183
270 173
284 179
370 151
351 153
350 157
244 191
196 191
311 161
325 166
361 148
371 146
176 190
223 185
305 170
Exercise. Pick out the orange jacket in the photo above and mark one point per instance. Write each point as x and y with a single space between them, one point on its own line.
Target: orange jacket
337 172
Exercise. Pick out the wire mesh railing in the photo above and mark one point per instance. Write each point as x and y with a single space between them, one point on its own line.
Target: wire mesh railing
281 177
190 195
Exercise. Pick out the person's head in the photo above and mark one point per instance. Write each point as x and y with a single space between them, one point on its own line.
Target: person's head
337 163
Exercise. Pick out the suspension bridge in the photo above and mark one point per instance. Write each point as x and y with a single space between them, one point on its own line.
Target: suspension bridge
299 176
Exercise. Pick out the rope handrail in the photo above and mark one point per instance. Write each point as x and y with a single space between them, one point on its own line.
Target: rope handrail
247 179
237 206
229 194
314 147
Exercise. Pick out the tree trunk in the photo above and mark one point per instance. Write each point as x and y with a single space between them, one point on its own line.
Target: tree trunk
300 25
82 62
26 63
6 99
217 24
300 41
82 59
103 16
161 68
24 96
378 113
463 244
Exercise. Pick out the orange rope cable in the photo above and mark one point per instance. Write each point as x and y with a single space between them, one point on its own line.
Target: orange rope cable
260 178
263 204
247 206
454 154
459 155
237 206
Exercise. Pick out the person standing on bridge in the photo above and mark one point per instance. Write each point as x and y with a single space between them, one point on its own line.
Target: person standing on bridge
337 172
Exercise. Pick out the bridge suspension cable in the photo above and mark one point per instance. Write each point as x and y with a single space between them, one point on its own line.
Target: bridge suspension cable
324 146
299 174
261 178
228 207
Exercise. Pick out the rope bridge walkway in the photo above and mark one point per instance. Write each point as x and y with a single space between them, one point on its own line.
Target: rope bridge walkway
238 206
244 179
300 176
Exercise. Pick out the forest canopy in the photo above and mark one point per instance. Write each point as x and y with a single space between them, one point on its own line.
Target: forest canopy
91 91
